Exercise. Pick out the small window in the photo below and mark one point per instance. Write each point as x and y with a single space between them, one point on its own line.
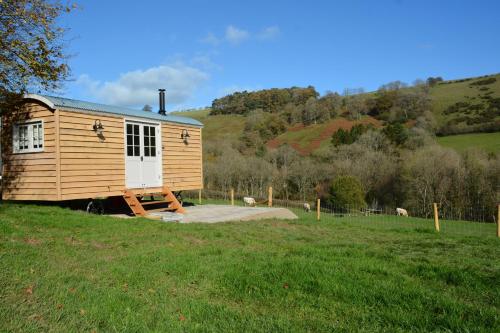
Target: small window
28 137
149 141
133 148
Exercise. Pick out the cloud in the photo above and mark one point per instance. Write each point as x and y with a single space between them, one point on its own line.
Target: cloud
140 87
211 39
235 35
204 61
269 33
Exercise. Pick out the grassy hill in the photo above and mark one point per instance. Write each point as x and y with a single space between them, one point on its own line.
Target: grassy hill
448 93
65 271
489 142
452 101
218 126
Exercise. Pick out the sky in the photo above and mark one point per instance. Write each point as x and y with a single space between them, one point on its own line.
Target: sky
121 52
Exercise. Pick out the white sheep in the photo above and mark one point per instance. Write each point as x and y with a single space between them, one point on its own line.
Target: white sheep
249 201
307 207
401 212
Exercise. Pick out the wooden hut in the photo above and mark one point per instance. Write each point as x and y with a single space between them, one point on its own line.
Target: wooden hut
56 149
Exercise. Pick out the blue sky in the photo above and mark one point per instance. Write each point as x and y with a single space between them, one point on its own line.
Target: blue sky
122 51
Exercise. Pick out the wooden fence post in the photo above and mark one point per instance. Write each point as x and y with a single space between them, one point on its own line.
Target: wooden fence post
318 209
498 221
270 199
436 217
199 196
232 197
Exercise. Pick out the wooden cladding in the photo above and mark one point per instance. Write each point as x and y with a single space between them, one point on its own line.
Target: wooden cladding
91 166
29 176
182 163
76 163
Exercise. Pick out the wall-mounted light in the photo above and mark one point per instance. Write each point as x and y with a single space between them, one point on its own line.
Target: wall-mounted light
185 136
98 128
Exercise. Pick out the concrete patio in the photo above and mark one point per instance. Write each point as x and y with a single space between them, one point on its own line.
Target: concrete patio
225 213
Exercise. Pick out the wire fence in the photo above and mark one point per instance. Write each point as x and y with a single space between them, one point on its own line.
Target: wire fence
476 221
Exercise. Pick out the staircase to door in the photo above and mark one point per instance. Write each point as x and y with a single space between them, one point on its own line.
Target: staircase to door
167 203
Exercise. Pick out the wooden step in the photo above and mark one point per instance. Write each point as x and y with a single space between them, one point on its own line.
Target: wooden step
149 203
134 204
139 207
173 202
164 209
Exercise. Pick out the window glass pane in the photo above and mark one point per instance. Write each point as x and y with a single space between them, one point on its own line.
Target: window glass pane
34 130
136 151
130 140
146 141
146 130
136 129
146 151
136 140
130 151
129 129
153 151
153 141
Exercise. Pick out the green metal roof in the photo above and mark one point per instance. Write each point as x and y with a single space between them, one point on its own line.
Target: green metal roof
69 104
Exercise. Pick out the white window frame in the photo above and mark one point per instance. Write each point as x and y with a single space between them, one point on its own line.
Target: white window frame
28 127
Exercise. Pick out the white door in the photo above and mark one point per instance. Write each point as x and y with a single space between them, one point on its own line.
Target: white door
143 155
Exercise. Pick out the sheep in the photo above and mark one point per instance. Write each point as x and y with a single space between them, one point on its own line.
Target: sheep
249 201
307 207
401 212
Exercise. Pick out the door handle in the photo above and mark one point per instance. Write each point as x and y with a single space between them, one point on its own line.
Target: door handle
142 158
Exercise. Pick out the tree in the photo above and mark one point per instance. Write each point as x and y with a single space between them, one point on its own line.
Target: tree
309 112
345 192
432 81
396 132
31 45
147 108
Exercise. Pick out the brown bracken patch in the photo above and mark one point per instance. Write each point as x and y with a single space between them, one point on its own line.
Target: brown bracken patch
326 134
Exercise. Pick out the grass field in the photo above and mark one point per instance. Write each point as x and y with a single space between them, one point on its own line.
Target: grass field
444 95
489 142
66 271
219 126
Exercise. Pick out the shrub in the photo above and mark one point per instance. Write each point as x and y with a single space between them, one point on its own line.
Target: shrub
346 137
396 132
346 191
484 82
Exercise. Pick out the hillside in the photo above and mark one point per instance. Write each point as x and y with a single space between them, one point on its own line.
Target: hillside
489 142
217 126
463 105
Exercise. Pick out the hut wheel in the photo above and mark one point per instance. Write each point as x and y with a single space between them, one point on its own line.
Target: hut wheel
95 207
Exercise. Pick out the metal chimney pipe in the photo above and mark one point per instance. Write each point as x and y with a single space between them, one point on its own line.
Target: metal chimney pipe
162 110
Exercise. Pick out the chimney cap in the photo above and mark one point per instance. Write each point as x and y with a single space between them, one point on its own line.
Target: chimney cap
162 110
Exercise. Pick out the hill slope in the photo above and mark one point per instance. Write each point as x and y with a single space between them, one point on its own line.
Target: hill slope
460 103
489 142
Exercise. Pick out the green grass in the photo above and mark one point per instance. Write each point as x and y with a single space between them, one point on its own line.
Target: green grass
489 142
67 271
444 95
219 126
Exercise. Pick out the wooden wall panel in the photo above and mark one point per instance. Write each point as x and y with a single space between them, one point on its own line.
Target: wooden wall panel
91 166
77 164
182 164
29 176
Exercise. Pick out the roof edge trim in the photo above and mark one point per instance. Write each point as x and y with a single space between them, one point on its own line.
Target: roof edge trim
42 99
